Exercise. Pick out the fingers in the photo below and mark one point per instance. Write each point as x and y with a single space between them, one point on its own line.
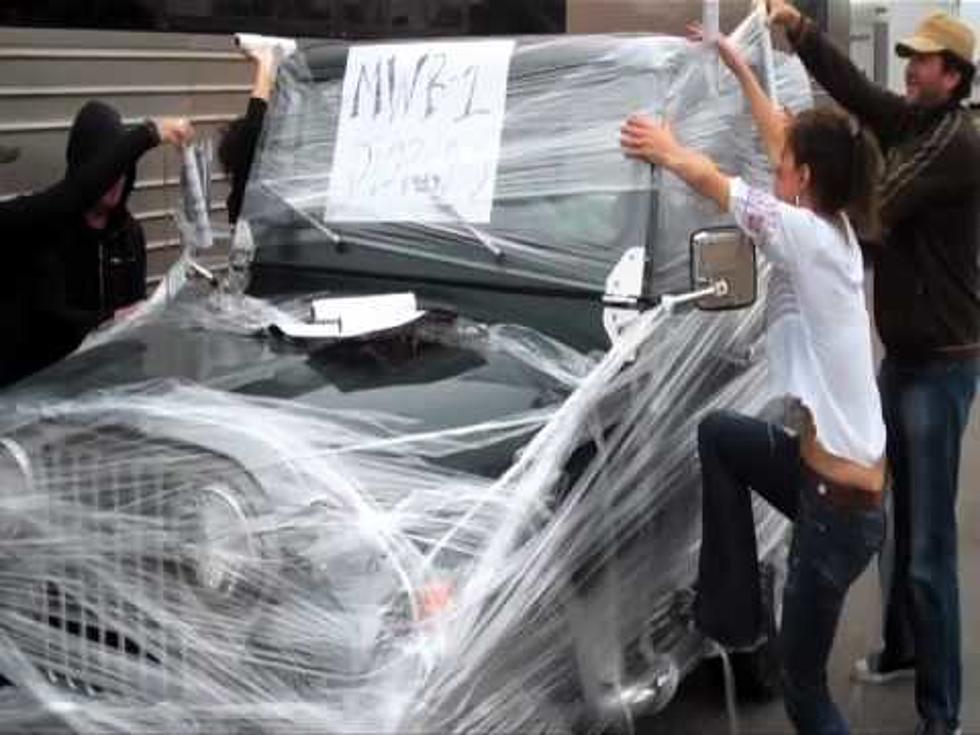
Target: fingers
639 120
638 133
642 137
264 56
629 142
176 131
781 13
646 139
251 47
183 131
631 138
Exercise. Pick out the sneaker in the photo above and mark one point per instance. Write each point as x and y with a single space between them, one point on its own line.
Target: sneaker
875 669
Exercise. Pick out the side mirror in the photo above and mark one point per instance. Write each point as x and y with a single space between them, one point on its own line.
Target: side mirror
723 258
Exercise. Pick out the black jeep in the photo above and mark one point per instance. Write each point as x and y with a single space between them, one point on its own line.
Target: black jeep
395 471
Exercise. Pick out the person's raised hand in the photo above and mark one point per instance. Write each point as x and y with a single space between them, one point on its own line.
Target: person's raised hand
266 58
782 13
643 137
263 56
726 49
176 131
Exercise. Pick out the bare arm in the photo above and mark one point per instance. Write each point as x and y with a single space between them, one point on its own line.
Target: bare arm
768 117
264 77
642 138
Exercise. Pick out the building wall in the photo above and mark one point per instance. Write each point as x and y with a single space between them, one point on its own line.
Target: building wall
661 16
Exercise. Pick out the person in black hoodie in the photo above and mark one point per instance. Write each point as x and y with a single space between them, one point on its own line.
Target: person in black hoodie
79 255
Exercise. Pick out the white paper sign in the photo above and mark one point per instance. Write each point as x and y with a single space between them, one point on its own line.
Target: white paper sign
419 132
354 316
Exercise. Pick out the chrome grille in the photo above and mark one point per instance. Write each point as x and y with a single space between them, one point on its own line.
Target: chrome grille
110 565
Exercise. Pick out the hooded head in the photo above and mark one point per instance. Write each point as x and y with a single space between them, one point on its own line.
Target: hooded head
96 130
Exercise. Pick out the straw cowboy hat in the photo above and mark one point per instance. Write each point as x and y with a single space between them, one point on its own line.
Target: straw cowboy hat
939 32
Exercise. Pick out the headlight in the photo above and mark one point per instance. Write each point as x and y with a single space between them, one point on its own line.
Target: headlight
16 488
218 542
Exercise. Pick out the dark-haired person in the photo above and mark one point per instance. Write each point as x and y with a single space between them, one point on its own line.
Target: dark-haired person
79 255
927 310
829 475
239 139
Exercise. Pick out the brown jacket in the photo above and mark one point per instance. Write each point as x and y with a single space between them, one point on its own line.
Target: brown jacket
926 295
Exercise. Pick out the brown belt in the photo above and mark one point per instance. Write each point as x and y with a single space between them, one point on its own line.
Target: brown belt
848 497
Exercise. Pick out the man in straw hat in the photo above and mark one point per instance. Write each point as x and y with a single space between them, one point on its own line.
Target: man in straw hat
927 310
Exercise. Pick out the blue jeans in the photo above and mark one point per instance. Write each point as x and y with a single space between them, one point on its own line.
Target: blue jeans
926 408
831 547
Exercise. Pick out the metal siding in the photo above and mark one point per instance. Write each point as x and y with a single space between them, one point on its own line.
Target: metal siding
664 16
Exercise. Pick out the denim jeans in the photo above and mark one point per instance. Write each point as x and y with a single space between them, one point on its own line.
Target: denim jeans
926 408
831 546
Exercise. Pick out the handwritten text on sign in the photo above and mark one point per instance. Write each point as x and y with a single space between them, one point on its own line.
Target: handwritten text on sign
419 132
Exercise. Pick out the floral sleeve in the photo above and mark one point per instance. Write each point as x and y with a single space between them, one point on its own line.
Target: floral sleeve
759 214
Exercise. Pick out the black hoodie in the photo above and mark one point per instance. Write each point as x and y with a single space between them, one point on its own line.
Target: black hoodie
69 277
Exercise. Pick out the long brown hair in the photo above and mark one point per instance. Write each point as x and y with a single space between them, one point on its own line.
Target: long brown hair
844 165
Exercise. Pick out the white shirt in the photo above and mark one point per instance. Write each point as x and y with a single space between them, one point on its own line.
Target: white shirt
818 329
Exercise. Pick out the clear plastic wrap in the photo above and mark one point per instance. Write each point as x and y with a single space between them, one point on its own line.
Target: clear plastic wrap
331 539
566 205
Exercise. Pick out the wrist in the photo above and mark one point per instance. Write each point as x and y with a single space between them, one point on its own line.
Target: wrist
671 158
263 85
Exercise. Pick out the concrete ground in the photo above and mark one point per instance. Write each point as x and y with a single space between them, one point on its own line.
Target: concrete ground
873 710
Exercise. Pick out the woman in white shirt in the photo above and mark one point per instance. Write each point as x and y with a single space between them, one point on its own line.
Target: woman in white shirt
829 476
